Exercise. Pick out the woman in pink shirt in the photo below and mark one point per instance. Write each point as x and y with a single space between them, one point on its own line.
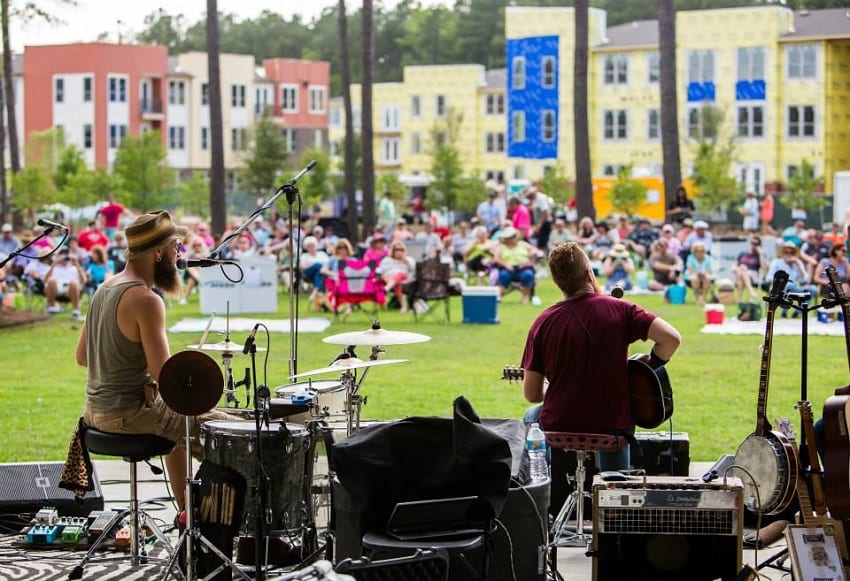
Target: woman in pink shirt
520 217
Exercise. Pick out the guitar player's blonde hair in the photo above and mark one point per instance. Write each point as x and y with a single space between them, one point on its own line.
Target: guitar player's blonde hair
569 266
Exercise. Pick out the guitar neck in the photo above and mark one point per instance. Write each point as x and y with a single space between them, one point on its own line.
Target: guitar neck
814 469
762 423
838 291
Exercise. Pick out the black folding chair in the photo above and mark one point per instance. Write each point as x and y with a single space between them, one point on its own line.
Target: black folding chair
431 285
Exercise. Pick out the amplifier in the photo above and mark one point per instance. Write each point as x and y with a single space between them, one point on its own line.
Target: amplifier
29 486
662 453
667 528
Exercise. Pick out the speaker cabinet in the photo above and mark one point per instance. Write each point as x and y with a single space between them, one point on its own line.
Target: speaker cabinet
667 529
29 486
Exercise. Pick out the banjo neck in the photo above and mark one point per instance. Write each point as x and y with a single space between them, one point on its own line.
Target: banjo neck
780 279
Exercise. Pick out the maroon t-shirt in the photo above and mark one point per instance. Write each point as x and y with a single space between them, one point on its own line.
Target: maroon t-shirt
581 347
111 213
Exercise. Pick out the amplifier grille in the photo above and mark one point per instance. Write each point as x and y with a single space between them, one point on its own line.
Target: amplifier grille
668 521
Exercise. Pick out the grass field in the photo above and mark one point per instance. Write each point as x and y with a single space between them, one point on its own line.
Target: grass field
715 377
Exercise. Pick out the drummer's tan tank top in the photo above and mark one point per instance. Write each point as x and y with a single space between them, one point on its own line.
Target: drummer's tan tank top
117 368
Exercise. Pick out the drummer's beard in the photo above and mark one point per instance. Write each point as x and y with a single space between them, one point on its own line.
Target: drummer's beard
165 277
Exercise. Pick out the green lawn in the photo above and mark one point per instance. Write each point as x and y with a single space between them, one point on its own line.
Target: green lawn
715 377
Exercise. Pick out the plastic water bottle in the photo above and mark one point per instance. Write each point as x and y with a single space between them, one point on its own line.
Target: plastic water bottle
535 444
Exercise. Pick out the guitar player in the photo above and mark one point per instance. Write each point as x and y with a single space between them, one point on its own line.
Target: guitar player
580 344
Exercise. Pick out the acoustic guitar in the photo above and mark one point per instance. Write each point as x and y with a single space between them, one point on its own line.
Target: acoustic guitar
768 458
650 391
836 412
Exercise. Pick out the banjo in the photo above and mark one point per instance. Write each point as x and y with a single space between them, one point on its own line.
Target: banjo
768 457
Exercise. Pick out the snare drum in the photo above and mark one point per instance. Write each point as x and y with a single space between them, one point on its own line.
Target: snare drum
331 395
233 444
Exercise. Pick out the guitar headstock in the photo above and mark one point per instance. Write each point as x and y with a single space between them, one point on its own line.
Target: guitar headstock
805 408
785 428
777 288
835 283
513 373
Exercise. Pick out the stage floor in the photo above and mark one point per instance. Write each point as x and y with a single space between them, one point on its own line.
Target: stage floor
51 565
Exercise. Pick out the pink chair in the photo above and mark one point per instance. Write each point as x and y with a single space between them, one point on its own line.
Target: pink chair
356 283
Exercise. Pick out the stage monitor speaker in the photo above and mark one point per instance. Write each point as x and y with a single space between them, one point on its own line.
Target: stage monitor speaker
667 529
29 486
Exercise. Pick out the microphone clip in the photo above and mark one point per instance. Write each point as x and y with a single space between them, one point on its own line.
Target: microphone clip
291 192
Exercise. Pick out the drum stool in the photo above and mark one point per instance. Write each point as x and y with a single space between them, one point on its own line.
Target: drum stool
133 448
582 445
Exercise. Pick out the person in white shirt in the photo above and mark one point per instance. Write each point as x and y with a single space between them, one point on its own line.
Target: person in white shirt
65 278
397 269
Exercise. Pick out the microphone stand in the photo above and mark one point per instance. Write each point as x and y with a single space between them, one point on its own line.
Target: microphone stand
260 476
293 197
20 250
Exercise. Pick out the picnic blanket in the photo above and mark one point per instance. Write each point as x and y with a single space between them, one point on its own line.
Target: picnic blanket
732 326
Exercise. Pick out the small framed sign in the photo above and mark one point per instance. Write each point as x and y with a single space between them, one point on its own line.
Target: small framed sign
814 553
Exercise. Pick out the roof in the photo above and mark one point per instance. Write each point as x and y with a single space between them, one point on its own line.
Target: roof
639 33
829 23
496 78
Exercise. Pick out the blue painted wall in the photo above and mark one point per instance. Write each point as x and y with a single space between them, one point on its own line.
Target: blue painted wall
533 99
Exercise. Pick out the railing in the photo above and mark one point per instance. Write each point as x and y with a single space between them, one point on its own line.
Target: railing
151 105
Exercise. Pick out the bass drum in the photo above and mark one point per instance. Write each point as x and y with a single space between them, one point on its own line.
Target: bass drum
233 444
331 395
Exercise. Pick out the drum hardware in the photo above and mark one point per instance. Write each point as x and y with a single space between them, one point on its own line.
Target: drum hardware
190 383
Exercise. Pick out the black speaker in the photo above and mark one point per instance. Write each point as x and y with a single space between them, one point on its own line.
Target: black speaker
667 529
29 486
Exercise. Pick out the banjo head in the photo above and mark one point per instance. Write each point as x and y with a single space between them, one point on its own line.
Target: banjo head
762 458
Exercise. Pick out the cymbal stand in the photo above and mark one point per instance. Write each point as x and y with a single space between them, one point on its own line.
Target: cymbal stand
192 534
229 388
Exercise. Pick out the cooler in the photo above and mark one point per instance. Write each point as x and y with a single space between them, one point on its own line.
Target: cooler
480 304
676 294
749 311
714 314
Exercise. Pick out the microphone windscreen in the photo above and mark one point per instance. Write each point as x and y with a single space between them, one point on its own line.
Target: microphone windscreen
182 264
617 292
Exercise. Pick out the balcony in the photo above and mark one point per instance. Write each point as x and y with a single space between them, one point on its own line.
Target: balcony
151 109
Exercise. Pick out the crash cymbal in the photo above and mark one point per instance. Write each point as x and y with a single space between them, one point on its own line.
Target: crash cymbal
226 346
348 363
376 336
190 383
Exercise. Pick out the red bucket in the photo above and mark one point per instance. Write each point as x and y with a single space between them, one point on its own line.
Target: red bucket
714 314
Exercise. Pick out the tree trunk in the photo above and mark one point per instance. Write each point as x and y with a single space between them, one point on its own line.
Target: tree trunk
218 199
348 155
584 185
5 201
368 44
9 85
669 101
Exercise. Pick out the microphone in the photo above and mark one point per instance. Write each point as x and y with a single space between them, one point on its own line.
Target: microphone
617 292
50 224
184 263
249 342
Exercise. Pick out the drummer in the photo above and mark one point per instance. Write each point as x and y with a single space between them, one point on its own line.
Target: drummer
124 346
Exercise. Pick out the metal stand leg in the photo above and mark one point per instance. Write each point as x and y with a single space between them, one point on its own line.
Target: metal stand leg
575 502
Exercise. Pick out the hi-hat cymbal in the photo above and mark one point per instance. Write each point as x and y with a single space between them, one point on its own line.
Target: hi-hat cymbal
190 383
348 363
225 346
375 337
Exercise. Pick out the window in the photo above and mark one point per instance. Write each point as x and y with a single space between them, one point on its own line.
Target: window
415 143
518 68
59 90
415 106
751 64
701 66
176 93
793 170
616 70
518 126
702 122
496 175
802 61
317 100
391 118
238 139
205 94
261 101
356 117
548 125
117 133
494 142
751 177
87 88
289 98
205 138
336 148
335 117
177 137
801 121
289 140
653 61
117 90
751 121
237 95
653 124
440 105
318 139
615 124
548 72
494 104
611 169
390 150
87 136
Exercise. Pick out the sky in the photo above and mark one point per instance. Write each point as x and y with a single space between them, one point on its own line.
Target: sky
85 21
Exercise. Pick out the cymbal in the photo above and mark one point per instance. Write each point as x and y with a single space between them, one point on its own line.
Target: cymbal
375 337
190 383
225 346
348 363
